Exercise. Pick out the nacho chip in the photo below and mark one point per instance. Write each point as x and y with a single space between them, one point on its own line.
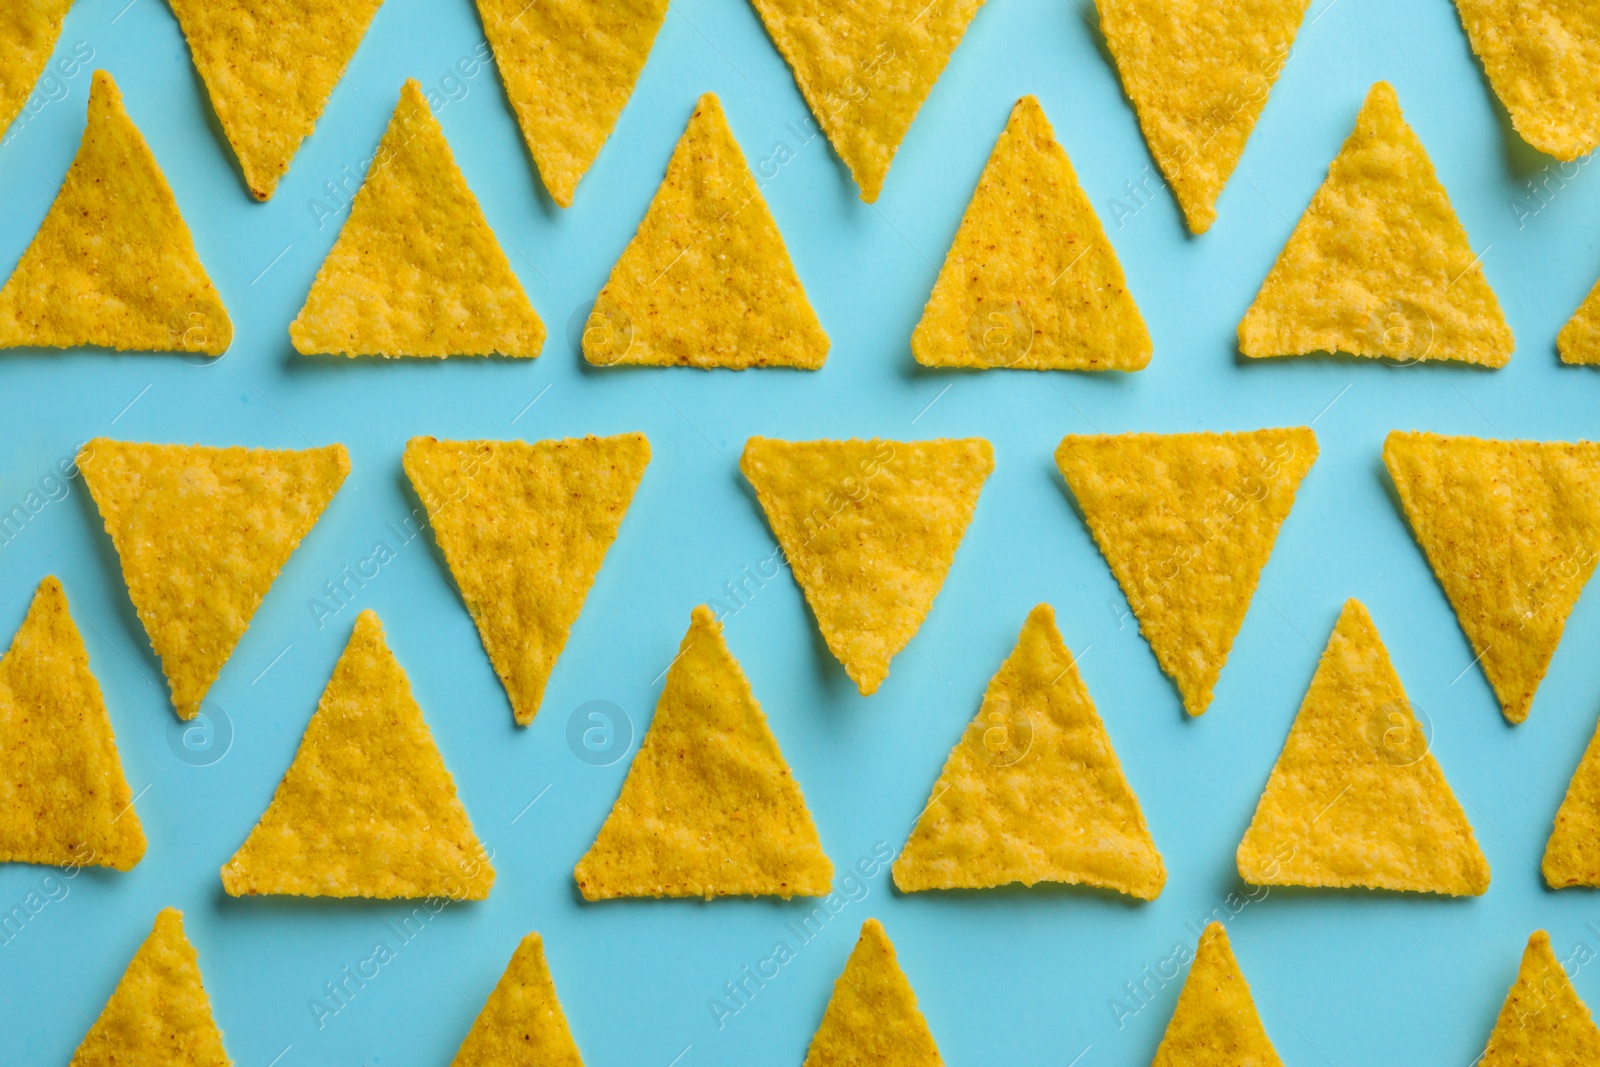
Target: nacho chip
1186 522
1356 797
1215 1023
63 798
202 532
1512 532
367 808
1031 281
707 281
1033 791
113 264
1543 1023
709 807
1579 339
522 1021
870 529
569 66
1543 59
872 1017
1572 856
28 34
524 529
1379 265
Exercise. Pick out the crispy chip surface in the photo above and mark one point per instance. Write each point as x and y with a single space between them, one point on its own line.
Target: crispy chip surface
522 1023
1215 1023
29 30
870 529
1543 59
872 1017
709 807
1572 856
1579 339
1543 1023
525 528
1186 522
1031 281
367 808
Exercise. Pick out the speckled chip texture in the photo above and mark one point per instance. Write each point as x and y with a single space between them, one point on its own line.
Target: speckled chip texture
367 808
1543 59
1572 856
113 264
1579 339
1215 1023
1379 265
709 807
707 281
202 532
63 798
522 1023
1512 532
29 30
1543 1023
872 1017
1033 791
1356 797
1031 281
524 529
869 529
416 270
1186 522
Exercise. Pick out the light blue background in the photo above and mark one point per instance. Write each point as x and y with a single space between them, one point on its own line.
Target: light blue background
1004 977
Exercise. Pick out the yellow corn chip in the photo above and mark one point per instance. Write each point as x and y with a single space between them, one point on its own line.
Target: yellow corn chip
523 1021
1033 791
1198 74
1543 1023
569 66
709 807
113 264
29 30
1356 798
1579 339
870 529
367 808
63 798
416 270
865 69
1031 281
1573 855
159 1012
1379 265
1186 522
202 532
524 529
269 68
1512 532
707 281
1543 59
872 1017
1215 1023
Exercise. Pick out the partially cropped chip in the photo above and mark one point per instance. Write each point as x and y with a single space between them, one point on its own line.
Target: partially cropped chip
1216 1023
1572 855
872 1017
28 31
522 1023
1542 1023
1579 339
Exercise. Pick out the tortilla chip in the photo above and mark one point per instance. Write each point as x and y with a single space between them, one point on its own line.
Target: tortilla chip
1356 797
63 798
569 66
707 281
202 532
269 69
872 1017
522 1021
28 34
870 529
1198 74
1543 1023
159 1012
1543 59
1186 522
709 807
865 69
1215 1023
1033 791
1031 281
113 264
1512 532
367 808
524 529
1379 265
1573 855
1579 339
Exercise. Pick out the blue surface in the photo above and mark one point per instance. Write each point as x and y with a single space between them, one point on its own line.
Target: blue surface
1004 977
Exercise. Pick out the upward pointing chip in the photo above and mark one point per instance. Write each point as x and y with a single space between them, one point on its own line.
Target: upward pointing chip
1579 339
872 1017
1543 1023
1215 1023
28 33
522 1021
1572 856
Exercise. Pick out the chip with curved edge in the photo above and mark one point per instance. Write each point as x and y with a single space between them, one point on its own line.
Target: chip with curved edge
1579 339
1572 855
28 34
1215 1023
522 1021
1542 1023
872 1017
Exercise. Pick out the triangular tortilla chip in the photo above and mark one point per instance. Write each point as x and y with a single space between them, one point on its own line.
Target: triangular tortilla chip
1033 791
1543 1023
707 281
202 532
1215 1023
569 66
1356 798
872 1017
1186 522
1198 74
524 529
1579 339
28 34
870 529
113 264
1379 265
416 270
865 69
1512 532
63 798
709 807
1031 281
159 1012
1572 856
269 72
522 1021
1543 59
367 808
